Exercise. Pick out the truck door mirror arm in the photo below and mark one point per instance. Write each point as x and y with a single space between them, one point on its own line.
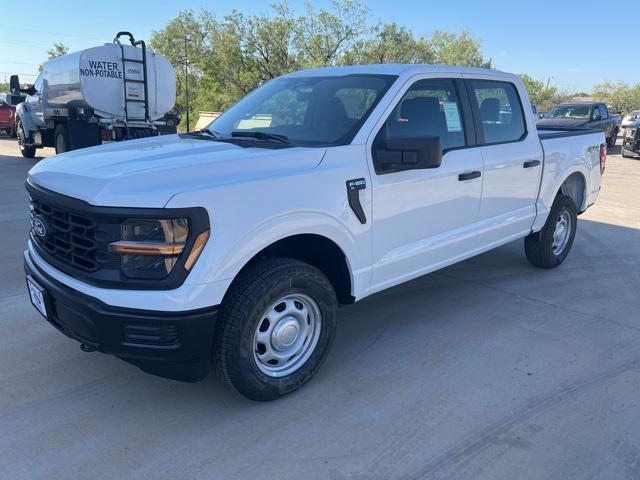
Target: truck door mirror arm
399 154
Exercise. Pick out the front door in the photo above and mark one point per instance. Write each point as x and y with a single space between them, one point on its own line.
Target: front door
425 219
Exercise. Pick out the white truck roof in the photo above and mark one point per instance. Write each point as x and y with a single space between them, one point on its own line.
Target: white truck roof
407 69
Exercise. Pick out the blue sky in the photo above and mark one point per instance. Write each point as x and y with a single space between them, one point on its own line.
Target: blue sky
576 43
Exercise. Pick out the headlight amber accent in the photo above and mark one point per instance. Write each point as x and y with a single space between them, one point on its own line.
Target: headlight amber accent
147 248
198 245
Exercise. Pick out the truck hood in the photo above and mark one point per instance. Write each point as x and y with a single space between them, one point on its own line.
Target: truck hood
148 172
562 122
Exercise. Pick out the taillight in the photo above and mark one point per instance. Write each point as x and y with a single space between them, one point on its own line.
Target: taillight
105 134
603 157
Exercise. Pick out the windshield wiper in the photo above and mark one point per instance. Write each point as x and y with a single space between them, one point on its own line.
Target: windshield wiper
211 134
262 136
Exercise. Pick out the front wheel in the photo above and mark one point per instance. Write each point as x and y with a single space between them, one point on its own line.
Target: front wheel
275 328
550 246
25 150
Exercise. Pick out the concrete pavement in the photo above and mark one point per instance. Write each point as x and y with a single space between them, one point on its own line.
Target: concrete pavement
489 369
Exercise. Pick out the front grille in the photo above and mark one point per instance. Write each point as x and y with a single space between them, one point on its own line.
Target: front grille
74 237
68 237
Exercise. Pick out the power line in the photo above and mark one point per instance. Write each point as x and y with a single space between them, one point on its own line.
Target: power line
59 34
19 63
23 74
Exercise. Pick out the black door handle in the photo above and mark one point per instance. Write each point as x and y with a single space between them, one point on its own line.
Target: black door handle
469 175
531 163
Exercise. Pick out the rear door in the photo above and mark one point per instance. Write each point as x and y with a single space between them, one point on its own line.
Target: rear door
512 157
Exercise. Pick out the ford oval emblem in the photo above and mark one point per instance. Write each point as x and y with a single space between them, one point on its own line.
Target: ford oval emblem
38 227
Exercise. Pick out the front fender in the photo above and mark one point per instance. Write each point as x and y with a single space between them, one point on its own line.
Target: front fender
22 115
287 225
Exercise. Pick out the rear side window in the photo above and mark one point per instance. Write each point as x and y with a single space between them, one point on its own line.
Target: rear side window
501 114
430 108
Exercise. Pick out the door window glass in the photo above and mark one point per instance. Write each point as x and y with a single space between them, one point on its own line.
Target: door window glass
501 114
430 108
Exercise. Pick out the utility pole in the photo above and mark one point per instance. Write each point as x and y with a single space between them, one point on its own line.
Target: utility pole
187 39
548 81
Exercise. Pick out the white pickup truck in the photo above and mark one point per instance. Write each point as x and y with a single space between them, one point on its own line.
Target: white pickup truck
232 247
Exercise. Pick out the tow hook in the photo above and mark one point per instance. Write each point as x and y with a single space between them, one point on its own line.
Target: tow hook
86 348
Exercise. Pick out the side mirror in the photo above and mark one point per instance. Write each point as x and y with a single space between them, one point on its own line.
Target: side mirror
30 90
14 84
414 153
597 117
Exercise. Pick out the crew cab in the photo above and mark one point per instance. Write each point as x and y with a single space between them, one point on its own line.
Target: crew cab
592 115
233 246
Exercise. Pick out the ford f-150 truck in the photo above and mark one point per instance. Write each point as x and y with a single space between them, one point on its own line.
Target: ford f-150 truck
233 246
594 115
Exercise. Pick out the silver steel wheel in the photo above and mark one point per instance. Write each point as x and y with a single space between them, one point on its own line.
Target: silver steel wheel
287 335
562 232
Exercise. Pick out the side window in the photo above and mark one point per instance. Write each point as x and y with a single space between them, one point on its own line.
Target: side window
597 111
430 108
38 87
38 84
604 112
501 114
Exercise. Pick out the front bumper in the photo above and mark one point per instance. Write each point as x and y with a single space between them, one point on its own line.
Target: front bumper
169 344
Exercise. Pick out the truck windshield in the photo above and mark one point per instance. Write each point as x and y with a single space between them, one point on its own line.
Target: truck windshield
307 111
570 111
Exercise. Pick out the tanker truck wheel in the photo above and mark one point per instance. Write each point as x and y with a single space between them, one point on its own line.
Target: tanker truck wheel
61 137
27 152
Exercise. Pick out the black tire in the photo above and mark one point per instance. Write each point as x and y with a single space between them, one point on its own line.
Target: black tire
13 132
539 246
61 138
26 151
611 141
242 312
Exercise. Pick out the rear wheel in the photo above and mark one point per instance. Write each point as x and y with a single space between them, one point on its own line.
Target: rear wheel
61 137
275 328
26 151
611 141
550 246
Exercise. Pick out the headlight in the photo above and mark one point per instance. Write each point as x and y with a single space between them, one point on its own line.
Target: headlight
150 248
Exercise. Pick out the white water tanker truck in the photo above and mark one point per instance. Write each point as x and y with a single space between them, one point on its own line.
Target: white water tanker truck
108 93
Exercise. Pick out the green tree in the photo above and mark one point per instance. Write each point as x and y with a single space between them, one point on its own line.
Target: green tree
620 96
457 49
323 37
232 55
389 43
57 50
542 95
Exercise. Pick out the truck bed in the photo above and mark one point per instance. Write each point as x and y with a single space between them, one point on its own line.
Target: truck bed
557 132
563 149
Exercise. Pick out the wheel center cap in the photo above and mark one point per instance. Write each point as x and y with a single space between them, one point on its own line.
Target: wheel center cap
285 333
